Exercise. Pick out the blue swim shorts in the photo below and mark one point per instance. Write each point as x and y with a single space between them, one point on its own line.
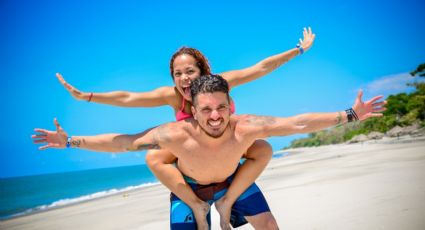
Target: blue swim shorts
250 203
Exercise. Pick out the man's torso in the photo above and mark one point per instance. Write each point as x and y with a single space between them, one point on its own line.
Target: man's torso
209 160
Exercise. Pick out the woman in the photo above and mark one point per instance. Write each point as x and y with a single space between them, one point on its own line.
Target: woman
186 65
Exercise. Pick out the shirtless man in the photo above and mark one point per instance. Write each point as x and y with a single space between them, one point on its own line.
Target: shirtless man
210 145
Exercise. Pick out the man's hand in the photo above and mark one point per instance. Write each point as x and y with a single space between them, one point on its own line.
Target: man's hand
371 108
77 94
308 39
54 139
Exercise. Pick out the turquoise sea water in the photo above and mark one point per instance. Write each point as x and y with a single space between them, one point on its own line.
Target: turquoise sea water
23 195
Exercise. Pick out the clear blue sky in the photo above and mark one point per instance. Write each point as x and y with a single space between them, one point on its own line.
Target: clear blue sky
103 46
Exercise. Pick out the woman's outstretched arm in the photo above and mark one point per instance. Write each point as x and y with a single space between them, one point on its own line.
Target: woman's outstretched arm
158 97
265 66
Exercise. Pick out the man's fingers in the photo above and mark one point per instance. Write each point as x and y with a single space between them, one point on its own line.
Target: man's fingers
376 98
41 131
37 136
359 95
49 146
39 141
377 104
377 110
376 115
43 147
58 126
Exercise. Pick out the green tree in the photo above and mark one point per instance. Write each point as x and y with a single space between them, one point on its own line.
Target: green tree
419 70
402 109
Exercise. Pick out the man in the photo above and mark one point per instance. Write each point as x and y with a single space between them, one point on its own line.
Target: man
210 145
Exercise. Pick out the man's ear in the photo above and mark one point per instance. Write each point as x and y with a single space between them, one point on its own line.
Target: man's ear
193 112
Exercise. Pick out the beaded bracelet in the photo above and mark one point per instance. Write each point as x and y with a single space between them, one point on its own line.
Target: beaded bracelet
300 48
68 142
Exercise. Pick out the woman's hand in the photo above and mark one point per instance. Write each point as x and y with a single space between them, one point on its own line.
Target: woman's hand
308 39
77 94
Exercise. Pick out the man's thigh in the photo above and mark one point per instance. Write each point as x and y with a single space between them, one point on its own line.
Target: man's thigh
181 215
251 203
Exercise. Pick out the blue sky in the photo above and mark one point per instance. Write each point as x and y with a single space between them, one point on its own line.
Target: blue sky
103 46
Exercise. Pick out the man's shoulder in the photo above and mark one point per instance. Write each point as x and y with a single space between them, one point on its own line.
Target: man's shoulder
249 120
243 123
175 131
253 124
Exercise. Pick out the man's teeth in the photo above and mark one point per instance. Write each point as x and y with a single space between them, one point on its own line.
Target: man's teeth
214 123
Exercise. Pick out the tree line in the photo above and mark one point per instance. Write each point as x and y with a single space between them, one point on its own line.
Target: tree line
403 109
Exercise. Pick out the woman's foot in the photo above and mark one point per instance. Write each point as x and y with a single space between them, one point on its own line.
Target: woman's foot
224 208
200 212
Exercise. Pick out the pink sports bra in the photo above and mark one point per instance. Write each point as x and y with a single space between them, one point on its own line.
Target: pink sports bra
181 114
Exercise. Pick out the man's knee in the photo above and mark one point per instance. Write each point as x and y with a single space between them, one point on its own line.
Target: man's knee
263 221
270 223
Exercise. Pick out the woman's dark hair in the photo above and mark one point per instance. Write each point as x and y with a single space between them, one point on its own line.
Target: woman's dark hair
201 60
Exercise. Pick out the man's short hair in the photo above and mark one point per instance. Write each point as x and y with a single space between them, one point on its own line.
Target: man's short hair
209 84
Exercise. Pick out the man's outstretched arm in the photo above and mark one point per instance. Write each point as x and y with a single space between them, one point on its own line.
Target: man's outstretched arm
99 143
312 122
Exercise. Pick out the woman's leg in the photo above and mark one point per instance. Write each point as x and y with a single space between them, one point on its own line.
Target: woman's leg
161 164
257 157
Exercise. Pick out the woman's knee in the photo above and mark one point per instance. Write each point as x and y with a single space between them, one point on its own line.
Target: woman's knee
155 158
261 149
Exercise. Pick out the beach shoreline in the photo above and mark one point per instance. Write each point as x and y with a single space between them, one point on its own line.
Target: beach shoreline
371 185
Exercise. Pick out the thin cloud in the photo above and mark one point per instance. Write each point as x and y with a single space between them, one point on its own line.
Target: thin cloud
391 84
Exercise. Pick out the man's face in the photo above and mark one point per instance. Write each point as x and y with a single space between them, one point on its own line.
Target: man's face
212 111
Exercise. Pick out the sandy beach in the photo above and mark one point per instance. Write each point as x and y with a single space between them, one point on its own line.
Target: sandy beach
372 185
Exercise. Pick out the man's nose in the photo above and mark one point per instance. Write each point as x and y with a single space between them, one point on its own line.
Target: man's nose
215 114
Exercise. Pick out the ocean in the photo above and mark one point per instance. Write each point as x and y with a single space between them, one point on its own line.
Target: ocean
29 194
25 195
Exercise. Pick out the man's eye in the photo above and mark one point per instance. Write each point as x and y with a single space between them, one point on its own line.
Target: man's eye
177 74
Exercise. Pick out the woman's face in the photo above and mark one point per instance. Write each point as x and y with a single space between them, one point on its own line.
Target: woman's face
185 71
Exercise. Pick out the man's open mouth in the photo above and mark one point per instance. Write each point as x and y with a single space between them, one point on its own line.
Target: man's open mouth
215 124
